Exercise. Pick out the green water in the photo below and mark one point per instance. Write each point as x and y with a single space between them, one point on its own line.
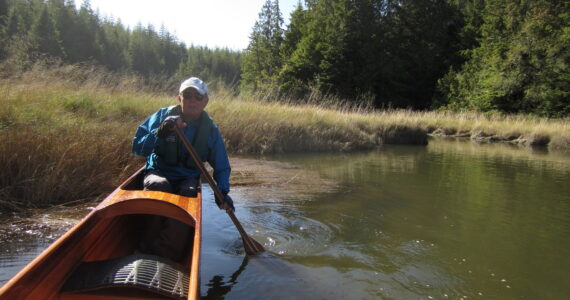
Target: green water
453 220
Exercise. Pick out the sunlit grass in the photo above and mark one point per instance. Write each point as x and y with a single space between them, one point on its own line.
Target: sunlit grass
520 129
66 132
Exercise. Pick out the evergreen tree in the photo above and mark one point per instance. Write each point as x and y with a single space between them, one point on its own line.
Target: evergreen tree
362 51
3 12
262 58
303 68
21 16
294 32
472 13
496 55
171 51
338 48
117 39
56 28
4 8
16 33
45 37
142 58
3 21
65 19
521 64
420 42
14 24
330 25
220 67
290 78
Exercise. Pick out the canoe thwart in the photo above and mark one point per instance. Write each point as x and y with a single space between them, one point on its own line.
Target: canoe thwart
153 274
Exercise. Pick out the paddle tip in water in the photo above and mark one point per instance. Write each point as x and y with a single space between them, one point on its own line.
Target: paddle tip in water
252 247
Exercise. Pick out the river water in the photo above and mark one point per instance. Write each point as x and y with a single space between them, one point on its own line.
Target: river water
452 220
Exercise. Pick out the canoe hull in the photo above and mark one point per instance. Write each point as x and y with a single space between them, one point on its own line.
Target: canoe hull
112 230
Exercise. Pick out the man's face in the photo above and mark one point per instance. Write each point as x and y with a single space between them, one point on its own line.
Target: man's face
192 103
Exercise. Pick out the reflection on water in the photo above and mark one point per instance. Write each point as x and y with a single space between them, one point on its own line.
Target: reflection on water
218 286
453 220
17 253
24 236
449 220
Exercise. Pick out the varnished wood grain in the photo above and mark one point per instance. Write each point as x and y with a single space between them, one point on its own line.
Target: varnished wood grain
104 234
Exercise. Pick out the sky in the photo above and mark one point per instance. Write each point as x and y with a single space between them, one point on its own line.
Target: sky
211 23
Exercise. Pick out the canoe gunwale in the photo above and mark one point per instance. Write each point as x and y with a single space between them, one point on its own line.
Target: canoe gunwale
63 255
150 206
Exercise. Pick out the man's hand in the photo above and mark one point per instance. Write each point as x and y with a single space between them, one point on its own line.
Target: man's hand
168 125
227 204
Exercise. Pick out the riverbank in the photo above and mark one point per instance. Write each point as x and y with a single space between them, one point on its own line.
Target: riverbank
453 212
526 131
67 131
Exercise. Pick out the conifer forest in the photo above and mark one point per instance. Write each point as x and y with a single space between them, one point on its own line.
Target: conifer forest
462 55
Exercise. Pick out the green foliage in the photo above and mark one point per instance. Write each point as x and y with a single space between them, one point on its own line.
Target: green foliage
221 66
55 29
3 21
318 58
262 58
391 51
420 43
45 37
485 55
521 64
81 105
295 73
294 32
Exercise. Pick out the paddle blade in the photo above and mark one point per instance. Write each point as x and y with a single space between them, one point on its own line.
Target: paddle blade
251 246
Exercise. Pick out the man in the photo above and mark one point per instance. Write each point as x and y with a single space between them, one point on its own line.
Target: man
169 166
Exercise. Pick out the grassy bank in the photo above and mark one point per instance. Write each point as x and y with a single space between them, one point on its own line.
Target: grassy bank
251 126
522 130
66 132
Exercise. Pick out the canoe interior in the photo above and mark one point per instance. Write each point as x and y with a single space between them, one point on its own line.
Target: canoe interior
112 230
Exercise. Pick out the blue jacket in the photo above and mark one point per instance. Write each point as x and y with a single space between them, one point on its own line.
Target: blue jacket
146 142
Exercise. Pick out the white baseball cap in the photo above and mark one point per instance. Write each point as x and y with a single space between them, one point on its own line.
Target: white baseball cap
196 83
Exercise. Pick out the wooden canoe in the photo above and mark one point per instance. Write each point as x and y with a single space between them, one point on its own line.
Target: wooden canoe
105 242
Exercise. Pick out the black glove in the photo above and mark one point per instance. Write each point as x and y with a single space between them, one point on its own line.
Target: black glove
227 199
166 126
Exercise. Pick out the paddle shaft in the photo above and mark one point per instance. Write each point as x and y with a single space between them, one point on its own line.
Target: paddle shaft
248 243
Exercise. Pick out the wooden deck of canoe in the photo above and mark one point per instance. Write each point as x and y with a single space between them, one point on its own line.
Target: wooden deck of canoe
97 258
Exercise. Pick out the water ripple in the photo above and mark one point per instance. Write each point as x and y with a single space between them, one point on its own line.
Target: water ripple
287 232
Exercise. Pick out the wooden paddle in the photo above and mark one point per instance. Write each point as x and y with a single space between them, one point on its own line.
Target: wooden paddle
251 246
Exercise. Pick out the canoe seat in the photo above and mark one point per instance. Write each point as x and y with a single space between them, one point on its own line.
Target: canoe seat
136 183
142 272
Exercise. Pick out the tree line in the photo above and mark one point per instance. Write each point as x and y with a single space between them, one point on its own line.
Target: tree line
484 55
56 29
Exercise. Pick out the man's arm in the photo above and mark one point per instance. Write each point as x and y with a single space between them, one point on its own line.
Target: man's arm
218 159
145 137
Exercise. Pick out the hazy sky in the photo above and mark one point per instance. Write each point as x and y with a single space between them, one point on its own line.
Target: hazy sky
212 23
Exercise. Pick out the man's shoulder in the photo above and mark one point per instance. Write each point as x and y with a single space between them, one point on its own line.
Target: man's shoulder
211 121
172 110
162 111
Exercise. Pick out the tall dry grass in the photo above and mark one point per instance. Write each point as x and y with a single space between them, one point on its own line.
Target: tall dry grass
42 167
261 125
66 135
525 130
258 126
66 131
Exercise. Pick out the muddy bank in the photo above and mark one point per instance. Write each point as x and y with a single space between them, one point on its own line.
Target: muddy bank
258 183
263 180
47 224
481 136
252 180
